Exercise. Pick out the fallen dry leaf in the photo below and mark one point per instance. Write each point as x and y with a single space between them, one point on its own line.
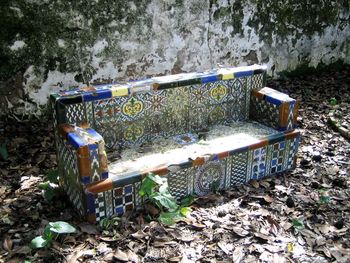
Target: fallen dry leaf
88 228
7 244
120 255
240 231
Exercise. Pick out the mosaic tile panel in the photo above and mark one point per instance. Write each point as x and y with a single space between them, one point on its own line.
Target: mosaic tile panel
123 199
180 183
117 201
264 112
209 177
293 147
75 113
259 163
133 120
238 171
100 206
69 174
290 120
277 157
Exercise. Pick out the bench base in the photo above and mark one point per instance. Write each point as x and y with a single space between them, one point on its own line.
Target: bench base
270 156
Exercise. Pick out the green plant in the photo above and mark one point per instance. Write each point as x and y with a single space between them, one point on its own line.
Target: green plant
333 101
107 224
50 186
51 232
154 189
298 224
323 197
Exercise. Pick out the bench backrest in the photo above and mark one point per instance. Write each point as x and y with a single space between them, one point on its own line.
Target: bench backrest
137 112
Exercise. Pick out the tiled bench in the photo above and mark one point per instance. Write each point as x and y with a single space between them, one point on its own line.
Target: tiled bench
220 128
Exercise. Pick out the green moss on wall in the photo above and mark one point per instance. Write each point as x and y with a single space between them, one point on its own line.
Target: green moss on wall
76 24
290 17
282 18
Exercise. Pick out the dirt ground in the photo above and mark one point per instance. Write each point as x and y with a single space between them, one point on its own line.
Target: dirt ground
298 216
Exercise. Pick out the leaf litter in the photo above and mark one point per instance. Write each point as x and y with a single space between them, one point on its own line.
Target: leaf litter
300 215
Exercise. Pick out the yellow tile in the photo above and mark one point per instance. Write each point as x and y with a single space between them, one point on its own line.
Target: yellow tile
227 76
226 73
118 91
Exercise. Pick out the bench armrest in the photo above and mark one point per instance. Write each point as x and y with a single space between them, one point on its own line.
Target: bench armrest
274 109
89 148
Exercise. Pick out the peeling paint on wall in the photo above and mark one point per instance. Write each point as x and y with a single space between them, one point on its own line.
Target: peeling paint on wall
51 45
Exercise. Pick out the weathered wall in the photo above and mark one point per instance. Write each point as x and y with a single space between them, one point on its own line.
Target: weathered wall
47 45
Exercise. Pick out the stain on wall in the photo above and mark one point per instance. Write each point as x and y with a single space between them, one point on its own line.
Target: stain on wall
48 45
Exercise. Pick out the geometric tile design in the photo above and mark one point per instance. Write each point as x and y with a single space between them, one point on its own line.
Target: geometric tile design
294 143
127 121
277 157
210 176
178 183
290 120
69 175
137 198
259 163
100 207
116 201
267 113
75 113
238 168
123 199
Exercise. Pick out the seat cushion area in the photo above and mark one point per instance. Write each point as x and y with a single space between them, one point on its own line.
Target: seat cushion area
179 149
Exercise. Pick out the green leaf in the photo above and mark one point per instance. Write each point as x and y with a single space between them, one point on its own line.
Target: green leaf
333 101
48 235
187 201
39 242
185 211
147 187
157 179
3 151
170 218
166 201
61 227
298 224
52 176
44 185
49 194
166 219
163 189
324 199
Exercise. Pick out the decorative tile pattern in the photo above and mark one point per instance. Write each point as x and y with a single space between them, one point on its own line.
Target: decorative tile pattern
209 177
100 207
238 171
178 183
123 199
259 163
68 171
75 113
133 107
127 121
137 197
294 143
290 120
277 157
265 112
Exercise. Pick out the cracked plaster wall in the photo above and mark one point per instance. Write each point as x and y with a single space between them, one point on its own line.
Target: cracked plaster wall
48 45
